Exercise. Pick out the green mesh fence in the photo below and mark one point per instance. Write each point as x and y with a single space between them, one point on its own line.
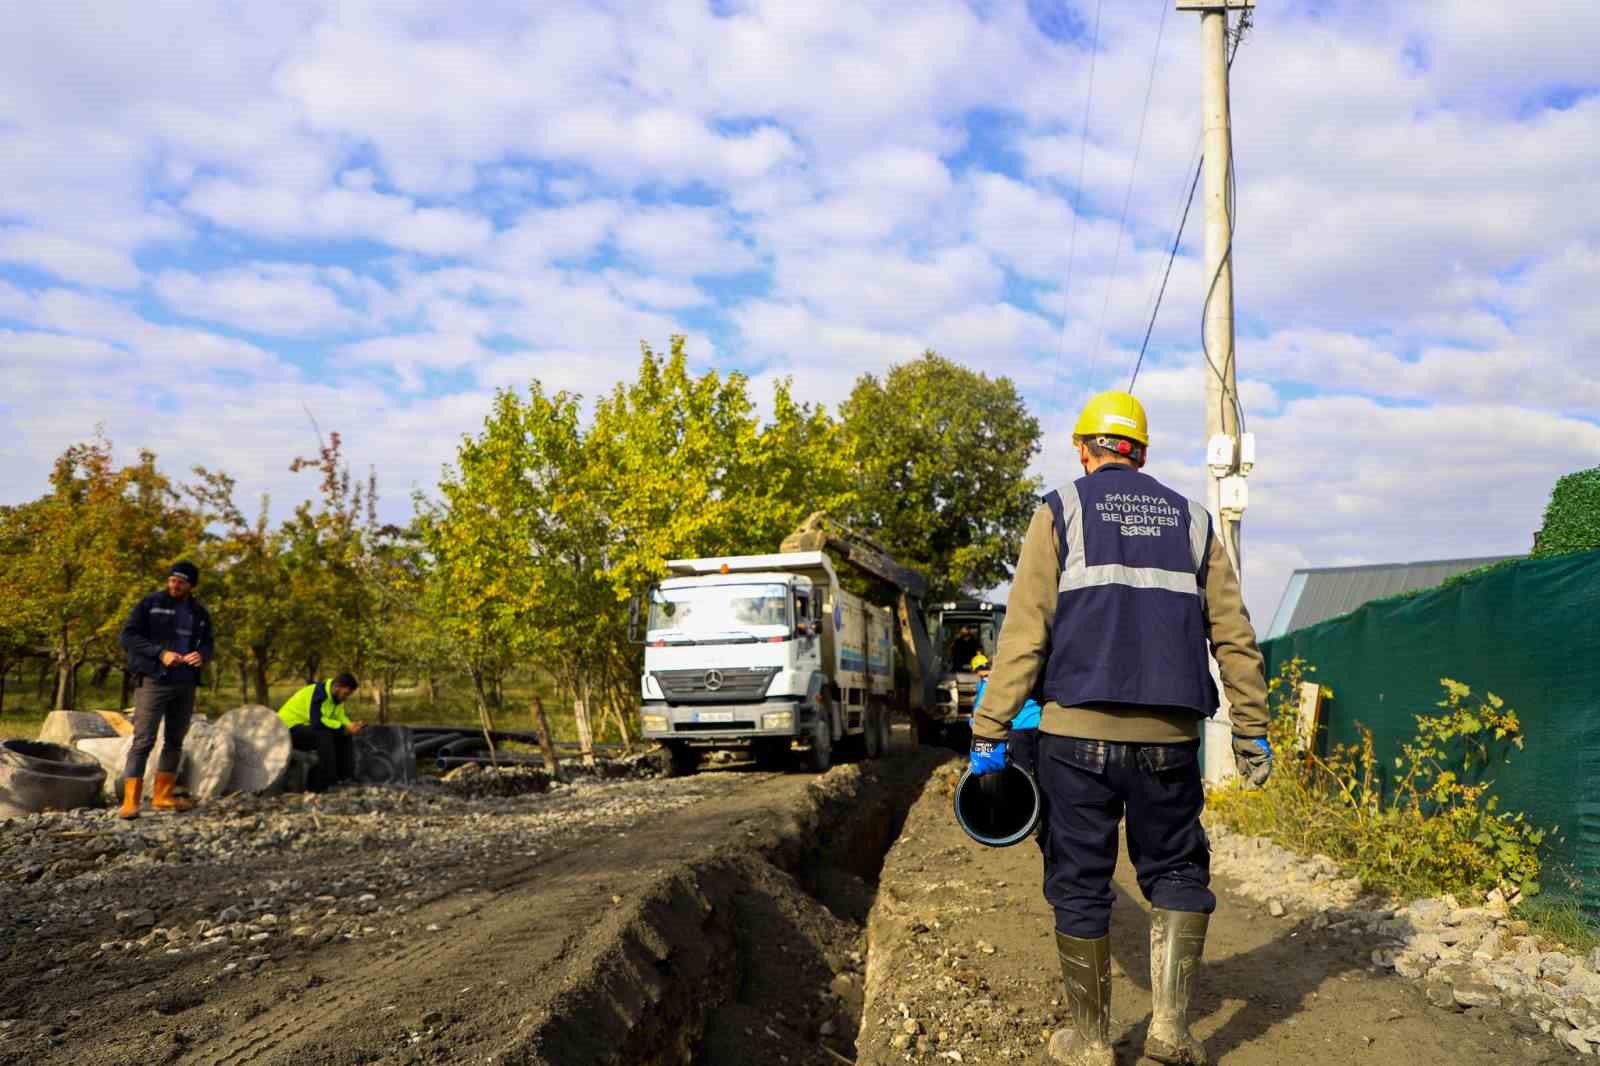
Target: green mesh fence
1529 632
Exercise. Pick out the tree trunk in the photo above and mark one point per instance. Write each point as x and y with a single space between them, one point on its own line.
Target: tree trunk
244 679
485 719
260 663
313 663
3 689
63 694
44 672
541 726
433 693
385 692
580 712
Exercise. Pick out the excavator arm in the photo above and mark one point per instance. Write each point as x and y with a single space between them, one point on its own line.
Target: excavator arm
821 533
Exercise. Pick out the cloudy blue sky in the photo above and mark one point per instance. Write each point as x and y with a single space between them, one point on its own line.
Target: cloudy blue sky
216 217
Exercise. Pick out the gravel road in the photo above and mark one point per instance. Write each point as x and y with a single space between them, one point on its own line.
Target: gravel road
363 925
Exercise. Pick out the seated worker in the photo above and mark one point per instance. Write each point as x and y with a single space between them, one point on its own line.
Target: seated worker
966 645
1024 727
317 722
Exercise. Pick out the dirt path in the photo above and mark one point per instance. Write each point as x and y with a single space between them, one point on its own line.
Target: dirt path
963 969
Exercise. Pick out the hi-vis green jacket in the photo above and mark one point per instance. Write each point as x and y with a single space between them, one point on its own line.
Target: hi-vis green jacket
313 705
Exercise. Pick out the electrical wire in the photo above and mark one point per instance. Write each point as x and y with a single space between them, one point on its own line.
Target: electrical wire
1077 200
1127 195
1177 236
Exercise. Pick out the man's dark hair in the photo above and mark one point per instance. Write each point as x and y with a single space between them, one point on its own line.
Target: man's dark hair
347 680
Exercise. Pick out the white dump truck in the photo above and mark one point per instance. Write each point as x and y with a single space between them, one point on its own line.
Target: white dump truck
766 653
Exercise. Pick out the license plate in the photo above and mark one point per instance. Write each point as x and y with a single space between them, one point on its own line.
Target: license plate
714 716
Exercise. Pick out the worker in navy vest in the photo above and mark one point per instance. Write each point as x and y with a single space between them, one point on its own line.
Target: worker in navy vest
168 638
1121 597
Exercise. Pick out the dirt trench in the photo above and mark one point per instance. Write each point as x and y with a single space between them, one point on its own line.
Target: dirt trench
755 953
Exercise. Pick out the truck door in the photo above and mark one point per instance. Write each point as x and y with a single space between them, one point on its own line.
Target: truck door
808 639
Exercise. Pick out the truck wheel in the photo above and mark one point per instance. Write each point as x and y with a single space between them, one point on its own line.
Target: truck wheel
683 760
820 755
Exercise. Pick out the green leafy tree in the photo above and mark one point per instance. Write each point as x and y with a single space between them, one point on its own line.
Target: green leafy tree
690 468
18 638
942 455
93 545
248 574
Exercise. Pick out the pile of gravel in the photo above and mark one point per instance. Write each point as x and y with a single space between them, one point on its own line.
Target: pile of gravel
1467 958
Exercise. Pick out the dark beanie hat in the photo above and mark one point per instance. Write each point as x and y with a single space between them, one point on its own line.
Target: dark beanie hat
188 571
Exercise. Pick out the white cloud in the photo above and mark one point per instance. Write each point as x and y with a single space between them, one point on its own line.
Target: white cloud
69 258
683 241
1416 251
275 299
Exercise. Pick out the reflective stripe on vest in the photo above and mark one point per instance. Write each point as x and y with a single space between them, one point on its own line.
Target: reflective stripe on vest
1130 625
1076 573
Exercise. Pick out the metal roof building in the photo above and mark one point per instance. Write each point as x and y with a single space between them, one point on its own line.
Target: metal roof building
1317 594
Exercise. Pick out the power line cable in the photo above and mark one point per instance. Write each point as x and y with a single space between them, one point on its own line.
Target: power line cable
1077 200
1127 195
1177 237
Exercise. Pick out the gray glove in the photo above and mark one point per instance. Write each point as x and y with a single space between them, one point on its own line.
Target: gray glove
1253 758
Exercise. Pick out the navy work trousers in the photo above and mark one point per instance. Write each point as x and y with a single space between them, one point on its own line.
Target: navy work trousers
1087 786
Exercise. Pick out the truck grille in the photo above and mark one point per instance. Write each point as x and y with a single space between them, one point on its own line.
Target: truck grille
734 685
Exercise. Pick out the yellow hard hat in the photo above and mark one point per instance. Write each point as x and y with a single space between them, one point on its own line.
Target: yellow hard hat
1115 414
980 661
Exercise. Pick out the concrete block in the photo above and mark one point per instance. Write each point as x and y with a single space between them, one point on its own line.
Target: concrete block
68 727
112 754
204 772
261 748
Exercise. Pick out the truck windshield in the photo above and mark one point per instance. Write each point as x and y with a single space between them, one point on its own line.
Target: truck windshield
959 639
700 611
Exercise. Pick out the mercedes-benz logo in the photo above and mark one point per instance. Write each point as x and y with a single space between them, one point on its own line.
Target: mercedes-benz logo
713 680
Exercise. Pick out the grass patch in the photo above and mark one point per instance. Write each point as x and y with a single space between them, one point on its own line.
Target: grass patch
24 712
1561 920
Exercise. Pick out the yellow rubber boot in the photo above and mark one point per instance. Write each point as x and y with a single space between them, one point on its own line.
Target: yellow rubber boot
131 788
164 799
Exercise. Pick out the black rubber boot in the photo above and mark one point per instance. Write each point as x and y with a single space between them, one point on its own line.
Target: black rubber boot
1086 971
1177 939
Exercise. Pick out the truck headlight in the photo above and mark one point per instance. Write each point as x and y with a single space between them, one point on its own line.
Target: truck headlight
654 723
778 720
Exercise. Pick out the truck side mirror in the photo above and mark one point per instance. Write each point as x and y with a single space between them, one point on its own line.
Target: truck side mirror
802 629
633 622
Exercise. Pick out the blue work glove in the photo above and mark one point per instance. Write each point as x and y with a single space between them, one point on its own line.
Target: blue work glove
987 756
1253 758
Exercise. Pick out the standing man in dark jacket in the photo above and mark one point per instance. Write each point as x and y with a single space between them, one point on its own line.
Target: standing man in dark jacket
168 638
1121 596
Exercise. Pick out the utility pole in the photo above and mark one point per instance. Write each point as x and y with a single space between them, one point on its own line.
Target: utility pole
1228 457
